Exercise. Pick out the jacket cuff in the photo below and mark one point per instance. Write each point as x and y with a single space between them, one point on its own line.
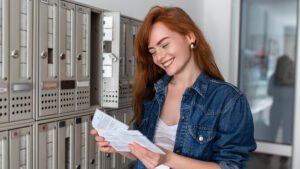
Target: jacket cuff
226 165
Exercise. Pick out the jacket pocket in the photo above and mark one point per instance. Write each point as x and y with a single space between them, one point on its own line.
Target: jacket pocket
201 135
201 141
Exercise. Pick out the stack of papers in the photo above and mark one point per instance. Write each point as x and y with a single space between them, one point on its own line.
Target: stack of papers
118 135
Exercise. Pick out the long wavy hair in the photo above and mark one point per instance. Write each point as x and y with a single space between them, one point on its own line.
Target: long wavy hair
147 73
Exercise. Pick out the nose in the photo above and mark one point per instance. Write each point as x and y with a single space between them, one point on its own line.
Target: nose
160 55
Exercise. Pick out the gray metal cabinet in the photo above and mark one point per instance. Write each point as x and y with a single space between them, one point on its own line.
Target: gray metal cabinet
47 146
111 59
117 60
81 142
105 160
21 65
83 17
21 148
4 60
93 149
48 57
16 50
66 57
66 144
3 150
134 26
125 87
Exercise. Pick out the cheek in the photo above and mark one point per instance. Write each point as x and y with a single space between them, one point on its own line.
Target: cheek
180 49
184 53
155 60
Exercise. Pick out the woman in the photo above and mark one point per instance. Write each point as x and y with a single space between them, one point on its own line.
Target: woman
181 101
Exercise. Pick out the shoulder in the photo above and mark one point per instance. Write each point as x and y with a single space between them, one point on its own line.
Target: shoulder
223 88
208 86
222 95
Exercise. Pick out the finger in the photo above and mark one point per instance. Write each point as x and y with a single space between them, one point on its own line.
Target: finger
107 149
143 154
154 158
103 143
141 158
93 132
146 152
99 138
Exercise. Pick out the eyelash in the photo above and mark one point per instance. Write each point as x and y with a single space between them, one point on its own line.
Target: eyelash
152 53
163 46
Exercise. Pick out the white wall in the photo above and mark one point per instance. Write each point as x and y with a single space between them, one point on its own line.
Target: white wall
217 29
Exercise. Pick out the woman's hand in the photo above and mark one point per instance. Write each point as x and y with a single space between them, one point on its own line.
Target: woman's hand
102 144
147 157
106 148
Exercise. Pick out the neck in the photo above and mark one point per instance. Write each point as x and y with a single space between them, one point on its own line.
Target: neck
185 80
186 77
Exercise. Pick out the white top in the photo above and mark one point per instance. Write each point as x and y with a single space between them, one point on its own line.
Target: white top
165 137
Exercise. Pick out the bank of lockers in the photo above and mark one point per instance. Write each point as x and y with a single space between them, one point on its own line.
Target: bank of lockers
67 144
45 71
16 54
64 57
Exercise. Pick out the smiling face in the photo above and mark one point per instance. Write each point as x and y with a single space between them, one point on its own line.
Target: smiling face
171 50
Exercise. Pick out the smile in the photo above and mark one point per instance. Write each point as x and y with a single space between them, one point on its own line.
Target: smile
168 62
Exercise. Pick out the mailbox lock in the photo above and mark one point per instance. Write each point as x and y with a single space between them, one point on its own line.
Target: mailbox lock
44 55
62 56
15 54
79 57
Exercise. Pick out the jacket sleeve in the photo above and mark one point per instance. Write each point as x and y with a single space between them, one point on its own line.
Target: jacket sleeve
235 135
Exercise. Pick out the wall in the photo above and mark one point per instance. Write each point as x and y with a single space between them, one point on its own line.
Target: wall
217 29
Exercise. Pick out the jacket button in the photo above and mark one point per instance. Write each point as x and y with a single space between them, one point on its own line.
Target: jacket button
201 138
182 118
177 151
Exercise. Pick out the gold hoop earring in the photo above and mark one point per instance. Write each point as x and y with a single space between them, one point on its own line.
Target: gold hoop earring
192 46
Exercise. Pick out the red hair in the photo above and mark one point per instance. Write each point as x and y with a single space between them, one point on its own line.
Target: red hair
147 73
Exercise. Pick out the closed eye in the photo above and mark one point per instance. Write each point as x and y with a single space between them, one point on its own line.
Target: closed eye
164 46
152 52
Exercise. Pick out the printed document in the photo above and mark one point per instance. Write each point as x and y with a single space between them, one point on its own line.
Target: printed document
118 135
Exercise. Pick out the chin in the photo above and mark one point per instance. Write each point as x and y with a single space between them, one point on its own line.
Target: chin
170 73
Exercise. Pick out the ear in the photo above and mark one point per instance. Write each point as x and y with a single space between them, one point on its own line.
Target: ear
191 38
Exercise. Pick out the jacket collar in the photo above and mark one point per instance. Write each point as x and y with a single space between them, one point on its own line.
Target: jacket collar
200 85
162 83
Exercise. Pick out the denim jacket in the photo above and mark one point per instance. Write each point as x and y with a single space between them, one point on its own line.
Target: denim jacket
215 122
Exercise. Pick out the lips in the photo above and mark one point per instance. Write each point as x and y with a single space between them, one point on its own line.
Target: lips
167 63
